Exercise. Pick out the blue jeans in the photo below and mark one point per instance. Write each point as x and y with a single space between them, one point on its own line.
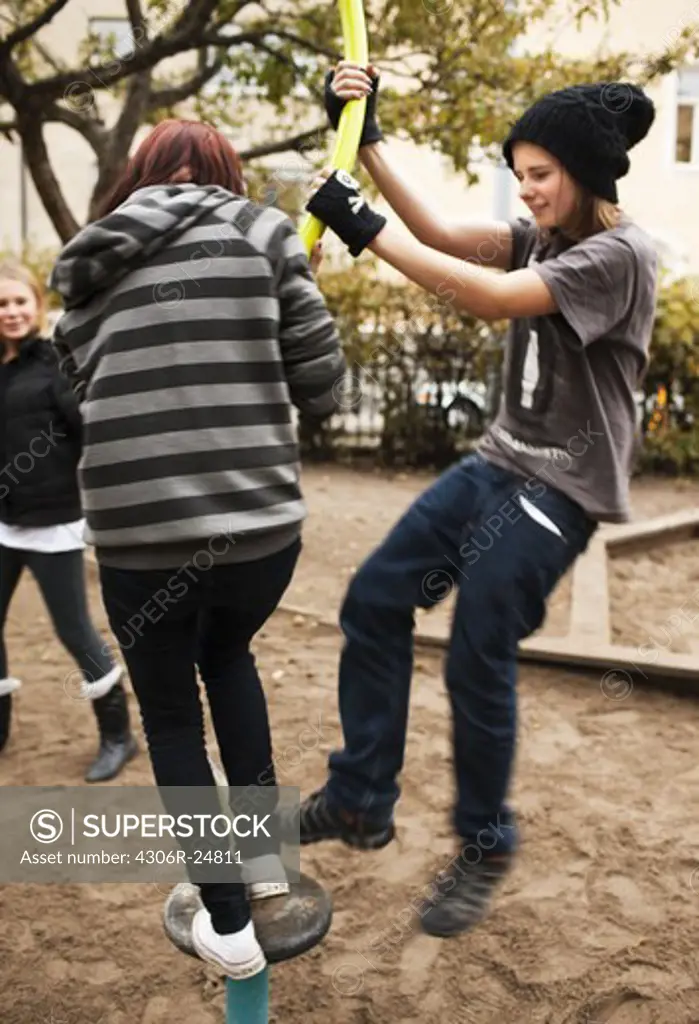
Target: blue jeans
469 530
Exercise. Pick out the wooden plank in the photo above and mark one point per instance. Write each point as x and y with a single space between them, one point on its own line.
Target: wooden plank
589 604
574 652
676 526
571 650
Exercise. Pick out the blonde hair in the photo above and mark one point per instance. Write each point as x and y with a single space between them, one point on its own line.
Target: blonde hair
12 271
591 216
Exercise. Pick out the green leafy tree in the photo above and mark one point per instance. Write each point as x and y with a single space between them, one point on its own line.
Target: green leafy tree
453 79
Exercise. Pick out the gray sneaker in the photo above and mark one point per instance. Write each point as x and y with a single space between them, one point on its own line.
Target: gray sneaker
319 820
462 895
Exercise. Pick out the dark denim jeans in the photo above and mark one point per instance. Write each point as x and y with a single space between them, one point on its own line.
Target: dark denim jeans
469 530
61 579
209 624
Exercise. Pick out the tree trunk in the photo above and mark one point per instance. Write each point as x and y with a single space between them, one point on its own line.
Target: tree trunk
36 157
107 174
115 153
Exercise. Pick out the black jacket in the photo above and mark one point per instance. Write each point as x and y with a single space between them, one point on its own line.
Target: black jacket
40 440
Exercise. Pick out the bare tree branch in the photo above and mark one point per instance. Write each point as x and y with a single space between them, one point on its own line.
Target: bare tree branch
115 152
47 55
131 115
12 85
87 127
304 142
133 8
91 129
188 33
195 16
169 96
83 80
322 51
258 38
32 27
139 28
117 143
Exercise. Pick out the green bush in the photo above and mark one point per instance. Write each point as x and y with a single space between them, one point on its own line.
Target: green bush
398 339
671 440
672 452
675 344
397 334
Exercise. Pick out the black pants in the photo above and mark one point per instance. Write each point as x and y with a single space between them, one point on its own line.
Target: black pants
61 579
168 623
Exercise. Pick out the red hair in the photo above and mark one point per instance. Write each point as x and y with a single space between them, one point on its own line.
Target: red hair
174 147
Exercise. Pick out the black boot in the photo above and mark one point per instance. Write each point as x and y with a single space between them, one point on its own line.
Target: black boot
5 718
7 688
117 744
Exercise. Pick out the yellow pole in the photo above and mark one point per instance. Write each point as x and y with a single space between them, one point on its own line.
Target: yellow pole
349 130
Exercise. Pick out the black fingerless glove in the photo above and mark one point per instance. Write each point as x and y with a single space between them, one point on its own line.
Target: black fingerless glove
334 107
340 205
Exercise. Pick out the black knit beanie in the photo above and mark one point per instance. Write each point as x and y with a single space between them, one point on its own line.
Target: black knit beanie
590 129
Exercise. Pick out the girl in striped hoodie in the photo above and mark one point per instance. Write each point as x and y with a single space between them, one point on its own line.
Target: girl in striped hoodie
192 326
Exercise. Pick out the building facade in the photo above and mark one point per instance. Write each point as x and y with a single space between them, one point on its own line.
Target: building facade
661 191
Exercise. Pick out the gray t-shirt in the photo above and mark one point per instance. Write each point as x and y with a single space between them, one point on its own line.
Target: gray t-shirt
567 414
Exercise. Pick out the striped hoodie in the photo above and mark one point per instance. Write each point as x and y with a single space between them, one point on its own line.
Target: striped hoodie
192 324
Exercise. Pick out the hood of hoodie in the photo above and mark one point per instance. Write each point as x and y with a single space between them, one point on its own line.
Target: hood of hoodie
108 249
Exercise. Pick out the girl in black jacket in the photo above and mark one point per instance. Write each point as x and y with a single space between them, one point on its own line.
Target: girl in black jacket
41 526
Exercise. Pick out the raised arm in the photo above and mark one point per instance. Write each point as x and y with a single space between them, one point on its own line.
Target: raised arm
487 242
469 289
339 204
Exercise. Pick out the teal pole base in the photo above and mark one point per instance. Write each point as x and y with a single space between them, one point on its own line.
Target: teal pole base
247 1002
287 926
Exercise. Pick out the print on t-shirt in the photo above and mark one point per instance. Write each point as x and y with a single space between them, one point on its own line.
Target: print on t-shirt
570 376
530 372
531 375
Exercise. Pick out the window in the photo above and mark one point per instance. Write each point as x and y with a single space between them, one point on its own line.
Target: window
687 117
116 33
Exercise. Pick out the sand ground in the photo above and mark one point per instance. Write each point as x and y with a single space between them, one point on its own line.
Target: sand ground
599 921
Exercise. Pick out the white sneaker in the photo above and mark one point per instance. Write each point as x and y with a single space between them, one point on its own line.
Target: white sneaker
239 954
9 685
